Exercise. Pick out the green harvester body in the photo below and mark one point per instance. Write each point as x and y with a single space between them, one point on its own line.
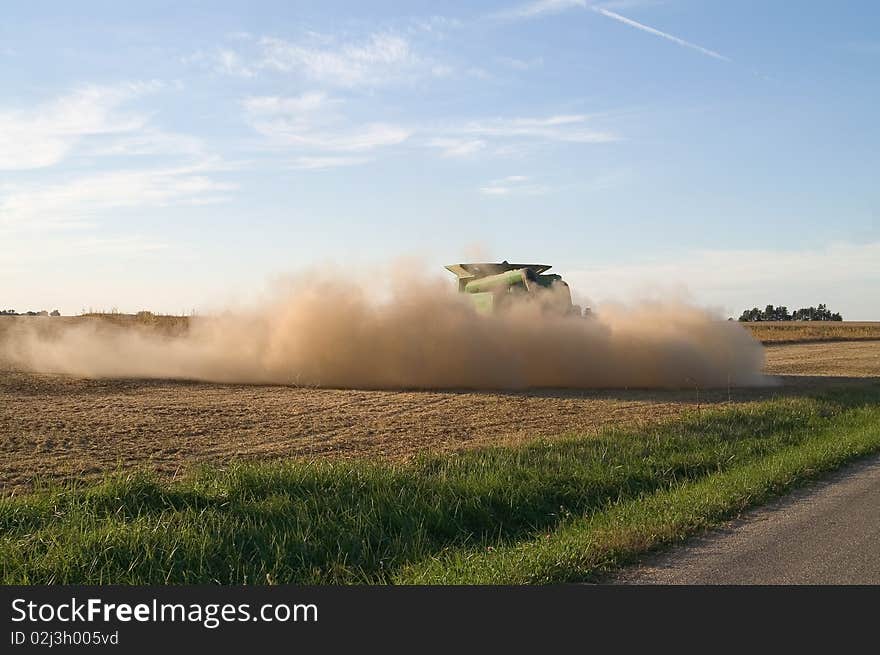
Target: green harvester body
491 286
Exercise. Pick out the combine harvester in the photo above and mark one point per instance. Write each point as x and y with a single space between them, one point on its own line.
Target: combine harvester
492 286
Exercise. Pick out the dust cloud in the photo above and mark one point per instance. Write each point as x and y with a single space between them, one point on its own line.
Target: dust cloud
329 332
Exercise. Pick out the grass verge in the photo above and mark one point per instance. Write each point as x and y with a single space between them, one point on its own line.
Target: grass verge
549 511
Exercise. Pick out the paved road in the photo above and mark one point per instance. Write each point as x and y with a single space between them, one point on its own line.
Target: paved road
827 533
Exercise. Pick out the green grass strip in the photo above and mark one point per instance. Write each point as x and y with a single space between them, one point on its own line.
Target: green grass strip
589 547
546 511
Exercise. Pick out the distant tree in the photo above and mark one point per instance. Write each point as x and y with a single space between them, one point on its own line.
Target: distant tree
55 312
781 313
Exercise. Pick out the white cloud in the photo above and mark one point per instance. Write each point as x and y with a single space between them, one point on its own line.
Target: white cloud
324 163
452 147
79 201
494 190
381 57
513 185
540 8
314 123
373 59
437 25
570 128
46 134
149 141
441 70
522 64
362 137
309 122
307 103
91 123
231 63
478 73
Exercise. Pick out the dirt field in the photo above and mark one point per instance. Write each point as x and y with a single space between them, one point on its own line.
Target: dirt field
855 359
57 427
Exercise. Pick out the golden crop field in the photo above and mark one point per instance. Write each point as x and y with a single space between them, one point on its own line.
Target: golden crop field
799 331
57 426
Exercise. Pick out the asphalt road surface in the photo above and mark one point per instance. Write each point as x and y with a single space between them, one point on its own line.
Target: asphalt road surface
826 533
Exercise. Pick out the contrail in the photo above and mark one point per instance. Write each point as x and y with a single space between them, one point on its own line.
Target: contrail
668 37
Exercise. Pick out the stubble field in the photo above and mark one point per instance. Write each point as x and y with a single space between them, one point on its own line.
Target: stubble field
780 332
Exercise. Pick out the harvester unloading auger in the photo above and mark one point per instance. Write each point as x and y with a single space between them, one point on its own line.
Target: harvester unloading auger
491 286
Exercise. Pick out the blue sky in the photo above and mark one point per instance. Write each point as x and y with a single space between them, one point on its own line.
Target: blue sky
177 155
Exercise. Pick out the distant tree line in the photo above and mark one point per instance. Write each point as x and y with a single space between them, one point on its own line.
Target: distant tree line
781 313
12 312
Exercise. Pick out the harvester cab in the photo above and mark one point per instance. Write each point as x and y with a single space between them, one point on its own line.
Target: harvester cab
491 286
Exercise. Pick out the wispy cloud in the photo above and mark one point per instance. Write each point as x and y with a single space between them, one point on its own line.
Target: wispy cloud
44 135
663 35
540 8
232 63
374 59
436 25
94 128
521 64
149 141
369 60
513 185
571 128
457 147
79 201
494 136
315 124
380 57
302 107
359 138
311 122
326 162
442 70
